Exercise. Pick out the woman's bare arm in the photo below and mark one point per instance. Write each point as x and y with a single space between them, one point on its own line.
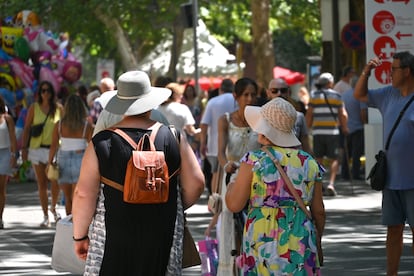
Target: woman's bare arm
191 176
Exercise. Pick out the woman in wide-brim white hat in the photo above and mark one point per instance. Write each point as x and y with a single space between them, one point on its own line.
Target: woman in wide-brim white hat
278 237
139 236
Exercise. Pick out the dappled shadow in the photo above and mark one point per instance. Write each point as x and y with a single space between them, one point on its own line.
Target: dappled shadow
354 244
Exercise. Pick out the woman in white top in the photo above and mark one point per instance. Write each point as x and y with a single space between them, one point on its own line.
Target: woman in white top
178 114
8 147
235 138
74 133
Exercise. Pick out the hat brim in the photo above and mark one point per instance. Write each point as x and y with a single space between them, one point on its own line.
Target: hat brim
261 126
104 98
141 105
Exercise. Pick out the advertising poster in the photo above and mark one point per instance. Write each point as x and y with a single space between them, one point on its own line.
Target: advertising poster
105 68
389 29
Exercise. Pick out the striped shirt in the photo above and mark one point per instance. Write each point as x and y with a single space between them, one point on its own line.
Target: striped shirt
324 122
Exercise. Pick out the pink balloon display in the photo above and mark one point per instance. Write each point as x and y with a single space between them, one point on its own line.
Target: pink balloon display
23 71
72 71
46 74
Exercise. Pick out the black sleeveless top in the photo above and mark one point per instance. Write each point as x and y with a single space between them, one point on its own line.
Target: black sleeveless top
138 236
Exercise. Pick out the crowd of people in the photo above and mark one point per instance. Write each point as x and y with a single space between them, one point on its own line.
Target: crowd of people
268 159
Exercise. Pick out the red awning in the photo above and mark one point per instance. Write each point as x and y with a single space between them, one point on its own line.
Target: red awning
291 77
206 83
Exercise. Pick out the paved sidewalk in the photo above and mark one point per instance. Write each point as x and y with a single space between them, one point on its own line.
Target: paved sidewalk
354 239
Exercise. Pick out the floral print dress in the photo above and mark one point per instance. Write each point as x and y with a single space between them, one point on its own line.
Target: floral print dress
278 238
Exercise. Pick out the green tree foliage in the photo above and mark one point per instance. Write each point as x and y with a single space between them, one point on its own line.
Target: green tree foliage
144 23
231 20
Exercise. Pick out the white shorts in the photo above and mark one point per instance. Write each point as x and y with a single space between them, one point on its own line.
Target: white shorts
39 155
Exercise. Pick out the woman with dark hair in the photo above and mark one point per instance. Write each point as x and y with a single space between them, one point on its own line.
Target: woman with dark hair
8 149
74 133
235 138
44 111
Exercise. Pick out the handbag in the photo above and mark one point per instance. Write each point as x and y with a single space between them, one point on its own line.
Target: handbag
215 201
37 129
378 172
298 200
53 171
64 258
190 252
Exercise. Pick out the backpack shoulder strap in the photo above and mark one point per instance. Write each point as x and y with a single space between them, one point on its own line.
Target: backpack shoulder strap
125 136
154 131
176 134
112 183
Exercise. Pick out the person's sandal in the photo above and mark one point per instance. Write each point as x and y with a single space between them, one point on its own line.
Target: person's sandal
330 191
56 215
45 223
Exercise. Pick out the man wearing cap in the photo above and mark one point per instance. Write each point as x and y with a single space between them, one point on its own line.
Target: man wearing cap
326 113
279 88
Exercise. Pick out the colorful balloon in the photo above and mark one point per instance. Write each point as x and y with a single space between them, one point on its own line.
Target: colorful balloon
46 74
23 71
21 49
9 36
72 71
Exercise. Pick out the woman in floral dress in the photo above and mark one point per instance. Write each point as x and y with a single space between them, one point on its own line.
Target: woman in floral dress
278 238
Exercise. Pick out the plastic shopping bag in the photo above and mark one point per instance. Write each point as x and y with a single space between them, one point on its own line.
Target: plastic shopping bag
208 249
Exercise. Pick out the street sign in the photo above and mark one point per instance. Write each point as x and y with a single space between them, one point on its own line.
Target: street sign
353 35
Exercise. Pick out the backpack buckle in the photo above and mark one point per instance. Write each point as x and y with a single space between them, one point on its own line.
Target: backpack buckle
151 179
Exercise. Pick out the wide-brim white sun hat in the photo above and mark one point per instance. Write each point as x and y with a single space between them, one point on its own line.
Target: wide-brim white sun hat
134 95
275 120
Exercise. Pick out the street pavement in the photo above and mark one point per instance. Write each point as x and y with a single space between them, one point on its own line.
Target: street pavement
353 242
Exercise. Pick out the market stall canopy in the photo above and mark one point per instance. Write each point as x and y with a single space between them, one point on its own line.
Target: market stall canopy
291 77
207 84
213 58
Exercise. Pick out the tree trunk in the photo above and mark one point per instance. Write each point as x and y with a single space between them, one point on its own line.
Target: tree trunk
178 36
262 42
128 59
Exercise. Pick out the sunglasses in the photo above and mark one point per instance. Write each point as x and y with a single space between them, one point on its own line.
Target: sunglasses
283 90
44 90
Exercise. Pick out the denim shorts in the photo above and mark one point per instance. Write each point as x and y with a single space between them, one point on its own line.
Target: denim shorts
398 207
69 166
5 168
39 155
